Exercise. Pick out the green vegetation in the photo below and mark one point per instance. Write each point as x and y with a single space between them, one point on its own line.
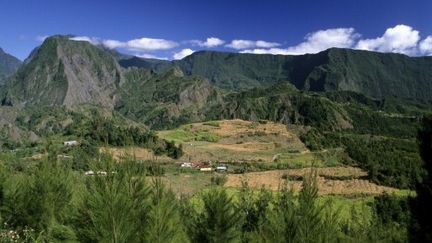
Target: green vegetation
373 74
121 203
186 133
351 107
421 225
8 65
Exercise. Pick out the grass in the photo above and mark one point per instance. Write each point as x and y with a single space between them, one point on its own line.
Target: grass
187 183
349 209
185 134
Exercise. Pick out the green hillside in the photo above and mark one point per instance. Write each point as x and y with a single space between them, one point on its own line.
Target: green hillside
370 73
8 65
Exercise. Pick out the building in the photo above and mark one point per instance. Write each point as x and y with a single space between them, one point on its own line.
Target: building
221 168
70 143
186 165
206 168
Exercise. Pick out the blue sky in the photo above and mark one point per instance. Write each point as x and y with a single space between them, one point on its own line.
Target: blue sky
172 29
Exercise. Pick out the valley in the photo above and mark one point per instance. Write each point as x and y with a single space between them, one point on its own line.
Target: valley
336 131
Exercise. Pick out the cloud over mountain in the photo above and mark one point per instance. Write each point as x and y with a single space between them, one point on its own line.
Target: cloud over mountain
398 39
140 44
183 53
209 42
245 44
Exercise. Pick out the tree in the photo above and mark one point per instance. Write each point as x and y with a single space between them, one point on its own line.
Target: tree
113 207
299 219
42 201
421 229
253 208
219 220
164 223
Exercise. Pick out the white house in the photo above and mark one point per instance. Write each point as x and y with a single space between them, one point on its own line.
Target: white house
186 165
206 169
70 143
221 168
89 173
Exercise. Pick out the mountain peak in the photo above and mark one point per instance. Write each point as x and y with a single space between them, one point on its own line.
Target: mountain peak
73 73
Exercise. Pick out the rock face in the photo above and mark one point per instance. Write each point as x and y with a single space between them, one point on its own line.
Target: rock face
65 72
8 65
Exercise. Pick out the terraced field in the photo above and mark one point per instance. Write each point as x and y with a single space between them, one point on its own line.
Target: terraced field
239 141
330 180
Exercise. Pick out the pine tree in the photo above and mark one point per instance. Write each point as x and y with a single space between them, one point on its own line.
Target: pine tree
42 201
298 219
220 219
164 223
114 207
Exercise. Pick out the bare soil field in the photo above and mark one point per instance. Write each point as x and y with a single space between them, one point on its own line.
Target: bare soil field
137 152
273 180
235 140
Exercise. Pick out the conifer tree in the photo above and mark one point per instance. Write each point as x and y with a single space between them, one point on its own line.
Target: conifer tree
421 229
164 222
220 219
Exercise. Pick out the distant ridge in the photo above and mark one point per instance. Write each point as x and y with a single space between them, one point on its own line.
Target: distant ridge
370 73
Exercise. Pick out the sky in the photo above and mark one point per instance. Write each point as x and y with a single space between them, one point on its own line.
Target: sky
169 29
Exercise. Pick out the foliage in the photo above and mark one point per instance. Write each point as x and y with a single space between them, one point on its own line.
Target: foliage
305 221
219 180
219 221
41 200
421 227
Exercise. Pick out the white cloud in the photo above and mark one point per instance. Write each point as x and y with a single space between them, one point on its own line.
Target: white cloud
112 44
426 46
209 42
150 44
324 39
246 44
274 51
141 44
315 42
92 40
400 39
183 53
146 55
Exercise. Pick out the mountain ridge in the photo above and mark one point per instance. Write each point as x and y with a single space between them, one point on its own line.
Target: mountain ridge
374 74
8 65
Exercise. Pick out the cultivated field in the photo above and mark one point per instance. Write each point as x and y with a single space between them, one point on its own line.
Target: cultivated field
265 145
331 180
236 141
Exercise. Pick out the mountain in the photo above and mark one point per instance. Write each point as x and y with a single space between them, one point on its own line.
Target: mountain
217 85
370 73
166 99
8 65
374 74
65 72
